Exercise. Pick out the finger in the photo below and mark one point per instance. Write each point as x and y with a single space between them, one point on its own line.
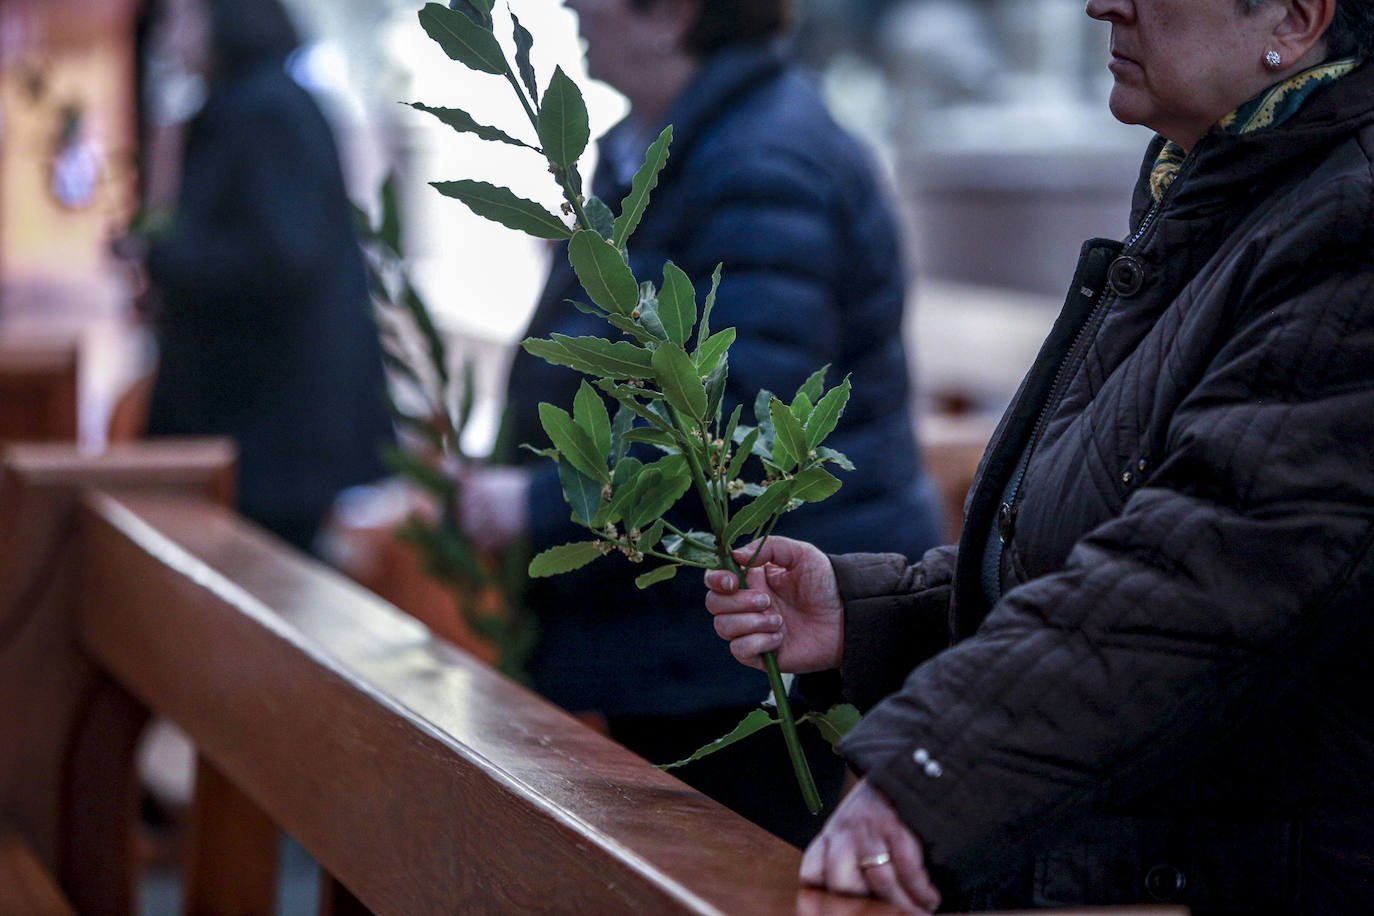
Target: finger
842 872
734 626
747 649
908 867
778 550
721 582
883 882
745 602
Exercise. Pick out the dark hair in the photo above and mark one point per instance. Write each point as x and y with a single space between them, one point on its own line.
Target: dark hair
249 31
722 22
1351 33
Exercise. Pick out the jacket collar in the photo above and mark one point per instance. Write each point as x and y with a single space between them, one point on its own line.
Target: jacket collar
1223 164
723 79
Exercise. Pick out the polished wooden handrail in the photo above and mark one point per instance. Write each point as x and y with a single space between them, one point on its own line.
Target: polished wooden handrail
420 779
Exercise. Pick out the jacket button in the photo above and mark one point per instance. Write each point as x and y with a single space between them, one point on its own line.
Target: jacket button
1164 883
1127 477
1142 465
921 756
1126 276
1006 521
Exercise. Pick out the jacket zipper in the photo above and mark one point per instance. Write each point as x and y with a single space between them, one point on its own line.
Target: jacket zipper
1006 510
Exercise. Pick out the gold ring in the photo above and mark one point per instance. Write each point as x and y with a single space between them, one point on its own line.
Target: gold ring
874 861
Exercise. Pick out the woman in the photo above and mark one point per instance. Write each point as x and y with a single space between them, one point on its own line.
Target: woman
1144 675
761 180
265 331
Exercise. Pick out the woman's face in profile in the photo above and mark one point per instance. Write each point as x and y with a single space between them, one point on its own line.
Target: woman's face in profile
623 42
1181 65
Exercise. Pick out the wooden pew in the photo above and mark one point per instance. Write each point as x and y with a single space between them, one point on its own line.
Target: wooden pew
38 388
420 780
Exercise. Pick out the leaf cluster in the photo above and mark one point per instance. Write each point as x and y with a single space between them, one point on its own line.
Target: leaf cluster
432 407
648 424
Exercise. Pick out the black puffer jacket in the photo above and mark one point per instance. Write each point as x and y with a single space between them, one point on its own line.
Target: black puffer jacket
1173 696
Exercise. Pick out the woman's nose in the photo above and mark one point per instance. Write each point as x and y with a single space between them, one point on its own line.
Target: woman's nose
1111 10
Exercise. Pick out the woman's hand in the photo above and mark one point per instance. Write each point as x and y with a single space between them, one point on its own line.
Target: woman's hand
791 606
865 849
494 506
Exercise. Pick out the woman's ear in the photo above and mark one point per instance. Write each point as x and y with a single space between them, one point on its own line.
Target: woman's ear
1300 35
676 18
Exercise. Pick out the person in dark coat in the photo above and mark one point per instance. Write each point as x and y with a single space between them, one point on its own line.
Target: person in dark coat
265 330
1144 675
761 180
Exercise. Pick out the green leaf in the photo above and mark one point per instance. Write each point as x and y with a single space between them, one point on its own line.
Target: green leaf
445 553
756 721
463 122
421 472
549 453
632 328
645 180
789 443
814 385
802 407
467 398
762 416
626 471
704 332
661 574
649 318
589 412
678 380
729 435
563 558
600 216
715 386
429 331
502 206
827 414
656 489
594 356
476 10
652 437
623 422
573 442
677 304
390 229
582 493
603 272
524 41
463 40
649 539
688 551
814 485
829 454
755 515
708 354
746 448
835 722
563 127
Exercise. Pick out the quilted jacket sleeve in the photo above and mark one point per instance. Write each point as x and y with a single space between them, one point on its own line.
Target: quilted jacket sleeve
1243 565
896 616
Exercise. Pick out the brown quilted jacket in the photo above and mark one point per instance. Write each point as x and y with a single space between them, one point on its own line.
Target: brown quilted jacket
1147 672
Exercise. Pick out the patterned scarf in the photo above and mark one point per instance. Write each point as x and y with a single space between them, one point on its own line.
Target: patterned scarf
1270 108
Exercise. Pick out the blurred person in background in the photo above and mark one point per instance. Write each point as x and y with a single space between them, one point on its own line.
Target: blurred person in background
761 180
1144 675
262 312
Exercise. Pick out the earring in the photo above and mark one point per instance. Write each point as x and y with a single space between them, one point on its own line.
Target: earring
1272 60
